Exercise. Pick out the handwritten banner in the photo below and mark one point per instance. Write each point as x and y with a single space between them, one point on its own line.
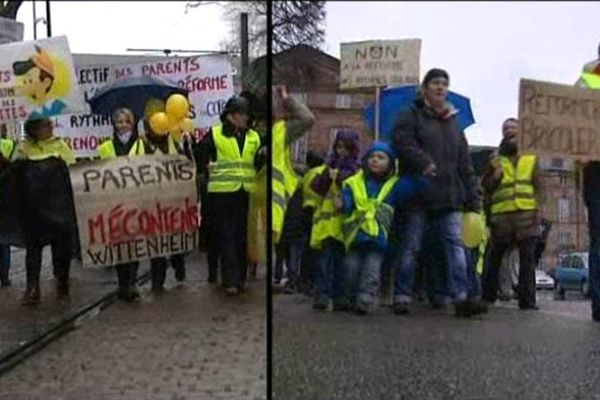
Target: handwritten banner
559 120
37 80
207 78
132 209
380 63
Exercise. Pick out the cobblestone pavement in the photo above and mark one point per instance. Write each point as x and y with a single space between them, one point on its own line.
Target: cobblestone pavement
20 324
430 354
192 342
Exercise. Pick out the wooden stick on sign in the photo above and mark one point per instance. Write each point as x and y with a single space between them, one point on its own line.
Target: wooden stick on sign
377 115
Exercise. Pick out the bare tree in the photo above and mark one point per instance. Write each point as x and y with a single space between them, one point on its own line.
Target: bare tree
257 26
298 22
8 9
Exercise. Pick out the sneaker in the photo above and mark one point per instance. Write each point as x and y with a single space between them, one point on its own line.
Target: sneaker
232 291
32 296
321 303
361 309
401 309
469 309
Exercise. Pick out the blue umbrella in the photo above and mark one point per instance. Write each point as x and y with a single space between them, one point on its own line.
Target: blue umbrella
394 99
133 93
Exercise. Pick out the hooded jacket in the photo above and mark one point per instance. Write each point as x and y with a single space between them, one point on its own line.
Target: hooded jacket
405 188
424 137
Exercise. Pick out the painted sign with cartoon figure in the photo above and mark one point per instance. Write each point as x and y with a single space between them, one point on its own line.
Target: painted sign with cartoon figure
37 80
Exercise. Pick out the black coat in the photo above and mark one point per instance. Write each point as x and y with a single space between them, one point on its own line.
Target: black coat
423 138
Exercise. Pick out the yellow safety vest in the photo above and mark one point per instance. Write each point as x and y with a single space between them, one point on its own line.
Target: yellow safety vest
327 221
233 170
516 191
309 197
7 148
370 214
52 147
284 181
592 81
107 149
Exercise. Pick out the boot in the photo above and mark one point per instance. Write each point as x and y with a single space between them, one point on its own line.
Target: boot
469 308
180 274
62 289
32 296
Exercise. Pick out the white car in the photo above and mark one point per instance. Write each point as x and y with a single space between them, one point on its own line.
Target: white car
543 280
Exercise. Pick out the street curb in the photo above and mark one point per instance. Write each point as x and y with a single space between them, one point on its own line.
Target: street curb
12 358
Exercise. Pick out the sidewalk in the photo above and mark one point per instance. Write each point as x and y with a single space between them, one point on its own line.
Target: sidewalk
20 324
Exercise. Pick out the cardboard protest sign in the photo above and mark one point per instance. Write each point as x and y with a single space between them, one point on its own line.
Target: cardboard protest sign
207 78
37 80
559 120
131 209
380 63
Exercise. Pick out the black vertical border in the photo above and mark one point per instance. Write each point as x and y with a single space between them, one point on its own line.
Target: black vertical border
269 241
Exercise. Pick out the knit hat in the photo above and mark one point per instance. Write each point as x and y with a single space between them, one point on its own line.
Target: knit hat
435 73
385 148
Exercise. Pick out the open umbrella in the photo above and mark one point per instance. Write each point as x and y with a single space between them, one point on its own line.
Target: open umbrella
394 99
133 93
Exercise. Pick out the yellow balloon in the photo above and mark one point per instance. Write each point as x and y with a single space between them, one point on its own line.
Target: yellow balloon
187 125
153 106
174 126
177 107
159 122
473 229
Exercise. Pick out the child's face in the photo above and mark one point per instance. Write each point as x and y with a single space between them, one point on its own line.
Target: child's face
378 163
341 149
123 124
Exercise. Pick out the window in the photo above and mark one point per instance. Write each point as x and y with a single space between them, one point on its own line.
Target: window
576 262
564 239
564 210
343 101
299 149
300 96
557 163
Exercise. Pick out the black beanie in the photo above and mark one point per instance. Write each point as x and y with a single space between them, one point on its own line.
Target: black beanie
435 73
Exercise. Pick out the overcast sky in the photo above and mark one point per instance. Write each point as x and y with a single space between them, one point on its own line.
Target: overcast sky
486 47
113 27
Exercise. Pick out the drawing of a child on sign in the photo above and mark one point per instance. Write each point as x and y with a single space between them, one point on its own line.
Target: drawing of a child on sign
43 80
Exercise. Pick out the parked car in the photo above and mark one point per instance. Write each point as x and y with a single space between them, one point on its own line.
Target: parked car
572 274
543 280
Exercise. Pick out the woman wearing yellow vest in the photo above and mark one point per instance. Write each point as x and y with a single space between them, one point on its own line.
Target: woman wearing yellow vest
368 203
229 155
326 235
125 142
292 120
164 144
40 146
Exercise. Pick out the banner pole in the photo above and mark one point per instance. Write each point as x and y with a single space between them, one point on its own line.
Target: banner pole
377 106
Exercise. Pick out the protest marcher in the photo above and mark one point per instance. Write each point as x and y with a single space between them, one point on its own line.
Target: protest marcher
125 142
513 182
7 151
590 79
326 235
292 120
368 202
432 144
309 203
164 144
41 145
229 156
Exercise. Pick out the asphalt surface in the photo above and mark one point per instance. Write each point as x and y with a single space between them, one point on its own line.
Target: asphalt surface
507 354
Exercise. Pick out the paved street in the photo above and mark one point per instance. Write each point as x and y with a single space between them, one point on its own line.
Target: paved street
506 354
192 342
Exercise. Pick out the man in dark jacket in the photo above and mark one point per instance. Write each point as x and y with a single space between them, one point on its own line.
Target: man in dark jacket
591 196
430 142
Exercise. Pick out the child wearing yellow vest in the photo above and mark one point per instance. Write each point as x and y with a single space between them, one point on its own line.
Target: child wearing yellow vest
368 203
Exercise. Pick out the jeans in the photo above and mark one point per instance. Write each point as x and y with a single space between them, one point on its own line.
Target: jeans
447 228
289 254
329 276
158 269
594 257
433 268
362 268
4 262
61 261
526 285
